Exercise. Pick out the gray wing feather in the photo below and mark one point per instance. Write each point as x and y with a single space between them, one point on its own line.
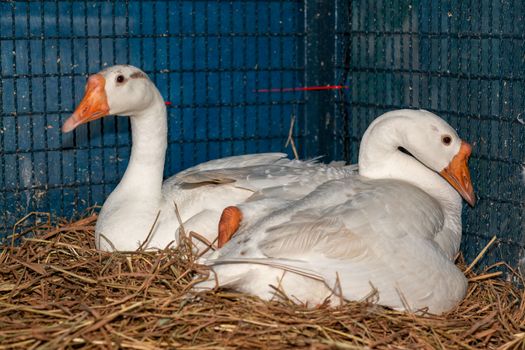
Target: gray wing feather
267 176
246 160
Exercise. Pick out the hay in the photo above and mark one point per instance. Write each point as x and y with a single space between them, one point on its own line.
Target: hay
57 291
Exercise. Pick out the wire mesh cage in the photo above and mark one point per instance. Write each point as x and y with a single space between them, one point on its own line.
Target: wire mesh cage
206 58
463 60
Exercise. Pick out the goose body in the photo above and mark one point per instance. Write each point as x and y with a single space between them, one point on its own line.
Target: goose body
140 212
393 229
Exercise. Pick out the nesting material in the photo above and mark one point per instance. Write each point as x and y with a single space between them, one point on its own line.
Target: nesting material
57 291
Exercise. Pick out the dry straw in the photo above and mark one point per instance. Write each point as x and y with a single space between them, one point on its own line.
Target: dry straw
57 291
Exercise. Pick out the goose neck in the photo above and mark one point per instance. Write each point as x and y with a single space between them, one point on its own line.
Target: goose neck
380 157
149 130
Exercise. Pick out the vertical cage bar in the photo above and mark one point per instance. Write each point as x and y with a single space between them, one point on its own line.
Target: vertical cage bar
320 66
16 193
3 177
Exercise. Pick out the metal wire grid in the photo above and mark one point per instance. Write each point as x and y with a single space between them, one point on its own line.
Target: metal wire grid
463 60
206 57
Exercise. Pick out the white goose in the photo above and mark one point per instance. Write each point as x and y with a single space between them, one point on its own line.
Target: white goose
130 212
394 228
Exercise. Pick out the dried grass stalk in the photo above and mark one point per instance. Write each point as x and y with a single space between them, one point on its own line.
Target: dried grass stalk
57 291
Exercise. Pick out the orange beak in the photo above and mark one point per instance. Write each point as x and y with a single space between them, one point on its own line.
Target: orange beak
93 106
458 175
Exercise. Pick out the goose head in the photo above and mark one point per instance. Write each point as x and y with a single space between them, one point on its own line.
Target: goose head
117 90
406 144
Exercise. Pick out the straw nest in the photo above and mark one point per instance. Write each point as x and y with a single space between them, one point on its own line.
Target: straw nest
57 291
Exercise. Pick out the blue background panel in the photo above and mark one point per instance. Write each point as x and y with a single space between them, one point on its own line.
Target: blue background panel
206 57
463 60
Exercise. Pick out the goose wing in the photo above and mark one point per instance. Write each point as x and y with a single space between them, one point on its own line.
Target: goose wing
378 234
266 175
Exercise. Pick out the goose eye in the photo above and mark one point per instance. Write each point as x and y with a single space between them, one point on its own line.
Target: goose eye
446 139
120 79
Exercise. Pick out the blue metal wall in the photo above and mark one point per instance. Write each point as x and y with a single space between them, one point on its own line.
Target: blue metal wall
206 57
463 60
